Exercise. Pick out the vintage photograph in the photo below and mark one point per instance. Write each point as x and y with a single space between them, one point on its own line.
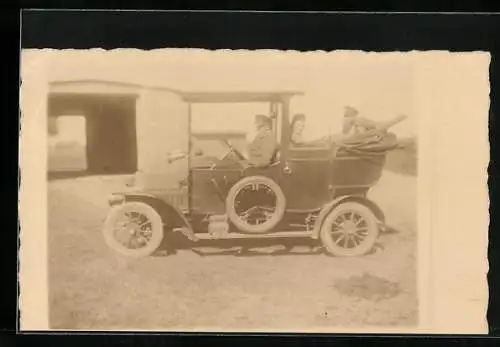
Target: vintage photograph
193 190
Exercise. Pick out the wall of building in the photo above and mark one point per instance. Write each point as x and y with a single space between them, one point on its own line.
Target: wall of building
162 128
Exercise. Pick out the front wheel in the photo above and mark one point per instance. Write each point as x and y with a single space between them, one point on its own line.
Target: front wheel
133 229
349 230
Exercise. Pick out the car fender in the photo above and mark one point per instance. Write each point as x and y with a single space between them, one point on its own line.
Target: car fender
334 203
167 211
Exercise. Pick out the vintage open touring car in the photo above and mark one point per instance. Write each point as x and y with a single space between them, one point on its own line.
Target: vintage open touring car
316 191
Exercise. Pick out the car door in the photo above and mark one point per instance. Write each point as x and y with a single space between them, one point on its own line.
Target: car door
306 181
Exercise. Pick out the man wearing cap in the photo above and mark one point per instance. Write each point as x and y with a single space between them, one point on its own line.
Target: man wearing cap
262 148
353 124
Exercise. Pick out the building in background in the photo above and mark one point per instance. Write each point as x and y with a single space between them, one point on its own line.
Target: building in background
130 124
128 128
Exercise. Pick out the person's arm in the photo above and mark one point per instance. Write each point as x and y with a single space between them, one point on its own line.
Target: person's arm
366 123
379 129
380 126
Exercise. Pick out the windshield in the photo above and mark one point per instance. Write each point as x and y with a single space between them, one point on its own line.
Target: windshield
214 126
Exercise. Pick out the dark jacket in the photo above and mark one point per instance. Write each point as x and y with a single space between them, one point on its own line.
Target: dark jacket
262 149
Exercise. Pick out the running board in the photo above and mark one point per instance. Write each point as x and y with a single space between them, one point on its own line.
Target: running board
228 236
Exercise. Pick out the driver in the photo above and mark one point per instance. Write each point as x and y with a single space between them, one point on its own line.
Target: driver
262 147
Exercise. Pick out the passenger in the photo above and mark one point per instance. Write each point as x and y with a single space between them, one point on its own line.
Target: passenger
296 128
354 125
262 146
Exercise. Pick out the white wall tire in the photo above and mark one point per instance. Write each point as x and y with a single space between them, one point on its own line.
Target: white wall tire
349 230
140 237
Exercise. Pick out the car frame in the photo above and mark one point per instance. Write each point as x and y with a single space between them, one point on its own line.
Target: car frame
315 192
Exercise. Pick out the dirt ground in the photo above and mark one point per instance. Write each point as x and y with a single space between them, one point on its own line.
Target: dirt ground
219 288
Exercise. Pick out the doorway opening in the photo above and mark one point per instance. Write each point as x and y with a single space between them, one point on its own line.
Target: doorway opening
67 141
92 134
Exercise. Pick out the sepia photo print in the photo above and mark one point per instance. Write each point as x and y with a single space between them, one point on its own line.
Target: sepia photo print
195 190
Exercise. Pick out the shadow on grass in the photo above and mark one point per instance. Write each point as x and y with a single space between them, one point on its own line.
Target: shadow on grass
368 287
240 248
252 247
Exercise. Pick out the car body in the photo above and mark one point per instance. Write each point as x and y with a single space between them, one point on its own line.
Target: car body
316 191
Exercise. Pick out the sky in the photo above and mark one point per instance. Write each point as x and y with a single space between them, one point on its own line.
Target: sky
380 85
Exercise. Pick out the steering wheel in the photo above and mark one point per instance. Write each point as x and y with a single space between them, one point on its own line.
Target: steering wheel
233 150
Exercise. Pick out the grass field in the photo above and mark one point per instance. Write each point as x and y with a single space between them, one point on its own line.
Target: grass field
220 288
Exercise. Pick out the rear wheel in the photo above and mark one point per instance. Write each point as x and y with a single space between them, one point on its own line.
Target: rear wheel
133 229
349 230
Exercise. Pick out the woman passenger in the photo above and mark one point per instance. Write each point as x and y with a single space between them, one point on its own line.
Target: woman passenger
296 129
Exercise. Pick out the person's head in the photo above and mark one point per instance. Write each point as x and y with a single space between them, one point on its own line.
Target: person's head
262 121
298 123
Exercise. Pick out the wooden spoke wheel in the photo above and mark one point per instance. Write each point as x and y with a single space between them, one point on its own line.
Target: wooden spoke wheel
133 229
349 230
